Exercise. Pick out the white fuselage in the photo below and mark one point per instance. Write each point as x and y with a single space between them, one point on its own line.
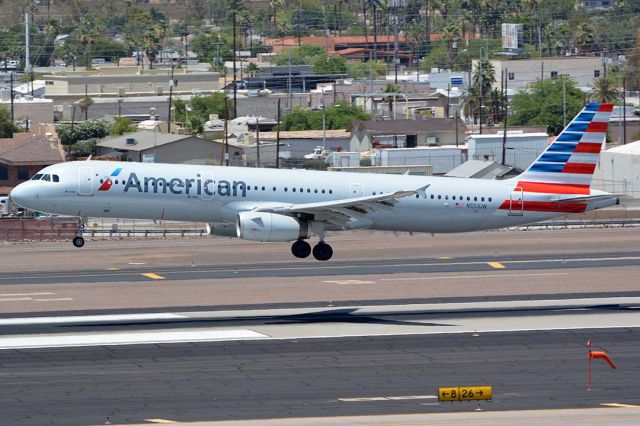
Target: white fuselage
216 194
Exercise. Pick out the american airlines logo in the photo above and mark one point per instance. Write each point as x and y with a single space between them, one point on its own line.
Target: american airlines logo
106 185
188 186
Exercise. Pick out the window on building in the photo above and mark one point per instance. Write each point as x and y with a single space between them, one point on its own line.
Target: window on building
596 73
4 172
23 173
512 76
554 74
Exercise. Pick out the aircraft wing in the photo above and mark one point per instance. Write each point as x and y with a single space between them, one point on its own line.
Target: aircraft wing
341 212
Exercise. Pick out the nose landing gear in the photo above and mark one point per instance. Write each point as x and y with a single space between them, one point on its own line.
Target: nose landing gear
78 241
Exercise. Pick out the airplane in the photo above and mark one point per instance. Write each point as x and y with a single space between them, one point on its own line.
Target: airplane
278 205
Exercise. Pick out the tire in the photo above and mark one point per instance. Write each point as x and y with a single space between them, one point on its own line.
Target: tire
301 249
78 242
322 251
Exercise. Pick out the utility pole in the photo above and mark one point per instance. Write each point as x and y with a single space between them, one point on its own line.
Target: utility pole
624 110
27 61
12 95
225 157
396 47
278 138
298 25
480 112
505 106
257 142
564 101
171 84
456 118
235 86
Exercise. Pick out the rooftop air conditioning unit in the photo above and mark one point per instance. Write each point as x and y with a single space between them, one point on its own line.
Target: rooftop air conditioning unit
131 141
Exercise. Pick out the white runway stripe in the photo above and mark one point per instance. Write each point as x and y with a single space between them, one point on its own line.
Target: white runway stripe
111 339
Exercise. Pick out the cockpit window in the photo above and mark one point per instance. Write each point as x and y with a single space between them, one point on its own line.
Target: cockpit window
46 178
56 178
37 176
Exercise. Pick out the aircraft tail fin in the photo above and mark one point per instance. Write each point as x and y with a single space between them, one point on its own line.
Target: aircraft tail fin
568 164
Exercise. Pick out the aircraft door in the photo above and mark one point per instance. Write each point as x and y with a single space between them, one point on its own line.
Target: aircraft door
208 187
85 181
357 190
516 202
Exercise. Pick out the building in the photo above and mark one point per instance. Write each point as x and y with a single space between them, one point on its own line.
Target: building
521 149
521 72
294 145
29 111
594 4
25 154
618 170
147 146
366 135
127 81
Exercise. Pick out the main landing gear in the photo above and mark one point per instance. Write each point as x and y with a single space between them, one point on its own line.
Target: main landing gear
321 251
78 241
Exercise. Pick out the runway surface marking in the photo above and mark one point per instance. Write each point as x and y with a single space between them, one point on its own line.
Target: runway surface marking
325 267
29 297
388 398
125 338
153 276
618 405
92 318
45 293
349 282
161 421
496 265
459 277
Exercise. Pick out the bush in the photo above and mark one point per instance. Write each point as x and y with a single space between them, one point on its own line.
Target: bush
82 131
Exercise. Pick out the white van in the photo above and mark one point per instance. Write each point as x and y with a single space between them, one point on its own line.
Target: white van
4 206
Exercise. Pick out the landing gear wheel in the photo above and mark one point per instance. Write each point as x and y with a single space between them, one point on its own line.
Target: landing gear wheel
301 249
78 242
322 251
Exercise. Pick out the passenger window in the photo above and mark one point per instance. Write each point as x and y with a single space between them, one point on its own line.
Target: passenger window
439 197
331 191
37 176
453 198
482 199
468 198
274 188
489 199
293 189
308 189
315 190
475 198
285 189
446 197
56 178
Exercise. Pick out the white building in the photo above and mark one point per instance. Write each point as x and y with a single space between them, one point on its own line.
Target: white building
521 148
618 170
520 72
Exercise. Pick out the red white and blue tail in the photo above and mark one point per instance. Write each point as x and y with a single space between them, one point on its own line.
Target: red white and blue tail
567 165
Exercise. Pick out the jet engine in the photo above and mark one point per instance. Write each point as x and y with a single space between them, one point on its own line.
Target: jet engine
222 229
270 227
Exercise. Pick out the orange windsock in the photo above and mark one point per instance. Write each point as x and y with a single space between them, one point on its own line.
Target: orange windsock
602 355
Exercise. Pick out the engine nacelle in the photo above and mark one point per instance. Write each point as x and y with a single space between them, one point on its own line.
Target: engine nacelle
222 229
270 227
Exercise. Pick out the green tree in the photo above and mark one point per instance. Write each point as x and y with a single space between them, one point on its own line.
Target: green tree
70 134
367 69
122 125
252 69
7 127
541 104
338 116
303 55
330 65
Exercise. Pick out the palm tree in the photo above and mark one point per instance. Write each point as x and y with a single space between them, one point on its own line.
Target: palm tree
88 33
450 35
605 89
275 5
484 76
375 5
583 37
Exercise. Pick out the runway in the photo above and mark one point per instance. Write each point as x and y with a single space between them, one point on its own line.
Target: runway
207 330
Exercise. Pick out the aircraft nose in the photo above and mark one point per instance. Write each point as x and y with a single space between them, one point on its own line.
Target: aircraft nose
23 194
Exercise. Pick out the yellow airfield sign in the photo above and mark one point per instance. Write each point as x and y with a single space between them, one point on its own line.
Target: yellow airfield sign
465 393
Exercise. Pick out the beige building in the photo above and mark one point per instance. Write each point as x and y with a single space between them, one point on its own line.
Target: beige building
128 81
35 110
520 72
